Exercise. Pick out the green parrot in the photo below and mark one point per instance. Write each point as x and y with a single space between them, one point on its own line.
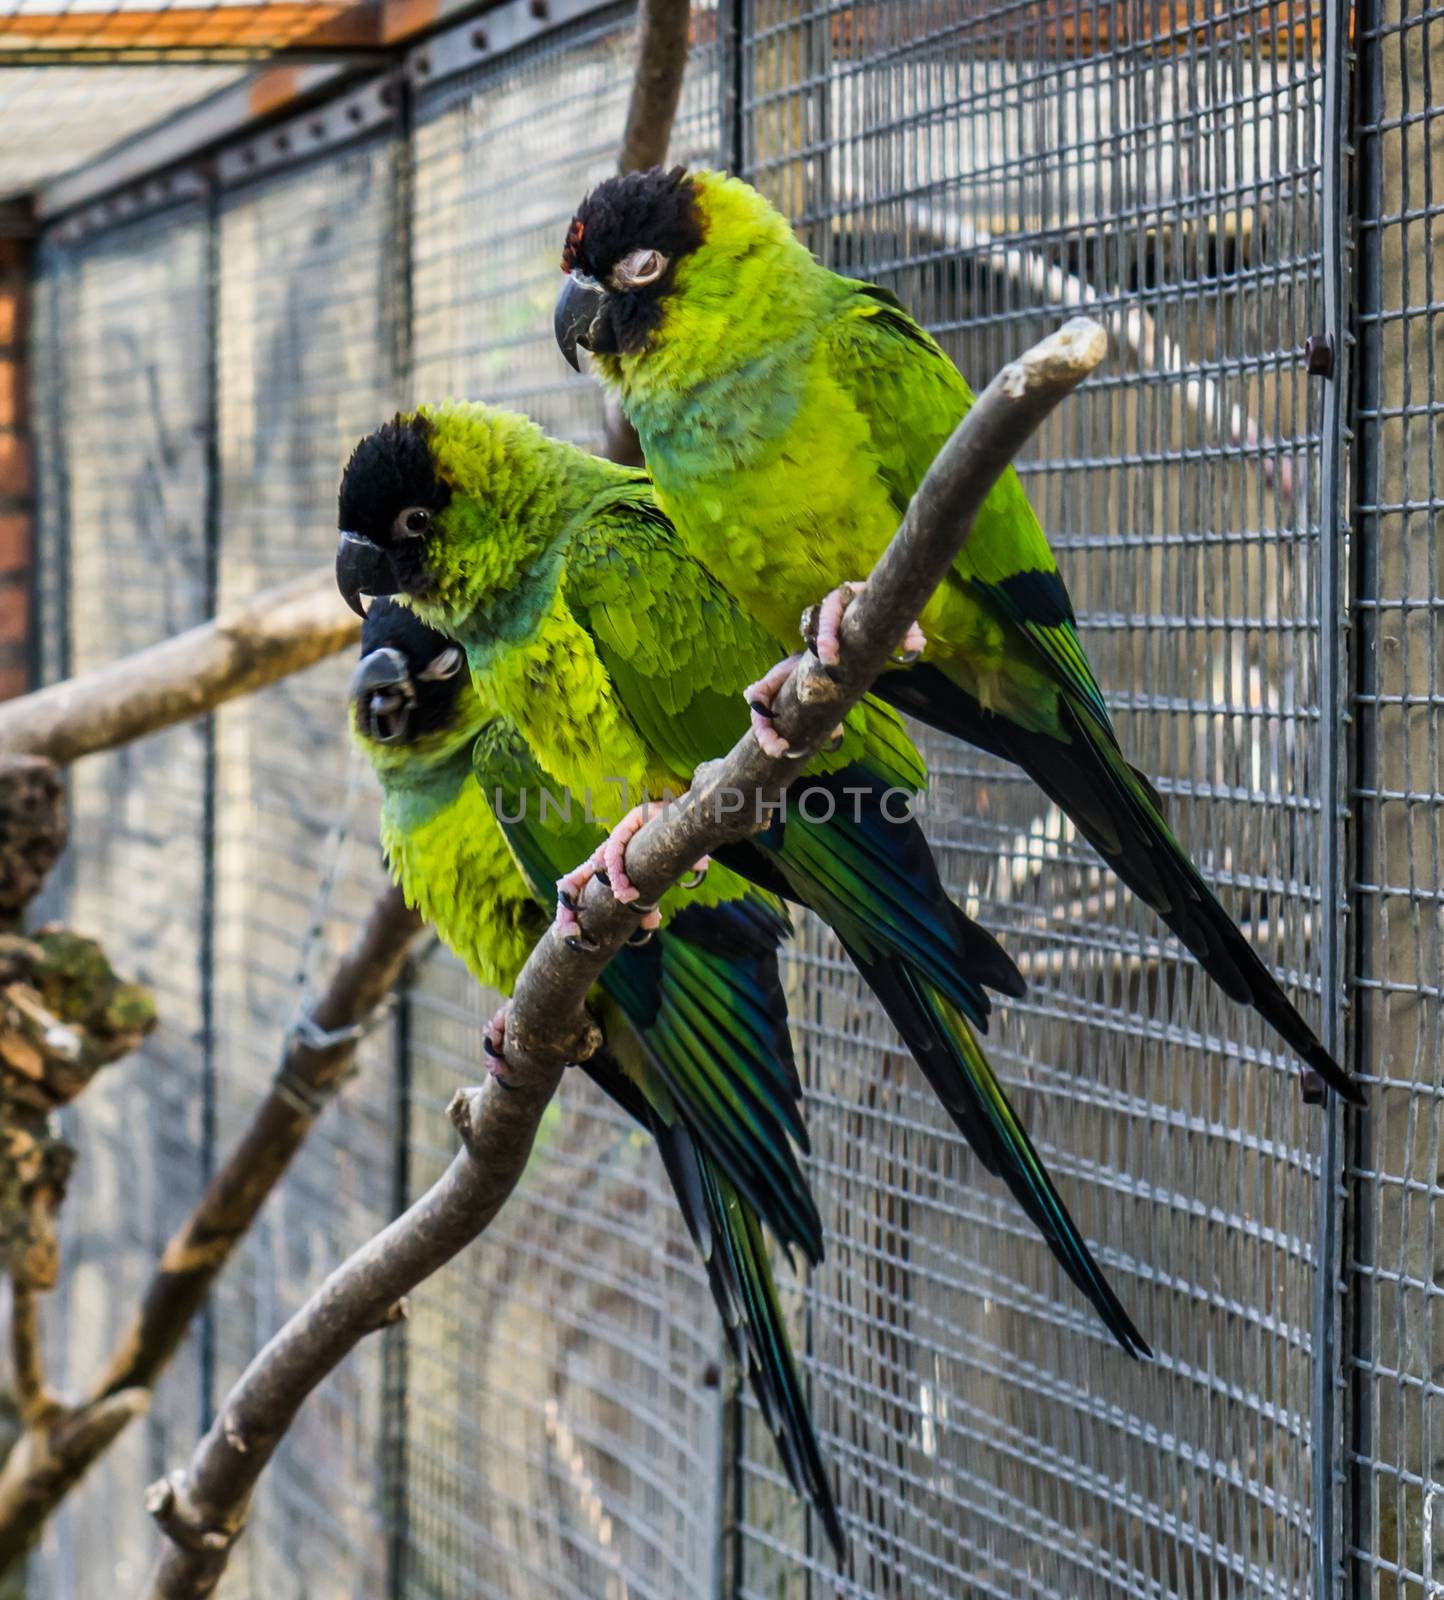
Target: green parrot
621 663
787 414
477 857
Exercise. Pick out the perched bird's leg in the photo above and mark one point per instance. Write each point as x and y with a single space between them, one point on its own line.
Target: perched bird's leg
493 1042
822 628
760 697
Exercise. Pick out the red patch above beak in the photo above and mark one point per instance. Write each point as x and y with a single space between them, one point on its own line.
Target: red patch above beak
573 244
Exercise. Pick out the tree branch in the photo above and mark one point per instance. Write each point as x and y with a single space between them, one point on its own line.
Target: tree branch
201 1508
31 1395
271 635
663 36
61 1443
312 1068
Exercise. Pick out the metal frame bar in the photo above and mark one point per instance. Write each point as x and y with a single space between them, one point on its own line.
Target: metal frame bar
1334 777
339 121
142 173
493 35
206 951
1367 132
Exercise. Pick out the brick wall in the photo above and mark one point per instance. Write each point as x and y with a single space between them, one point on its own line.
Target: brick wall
15 475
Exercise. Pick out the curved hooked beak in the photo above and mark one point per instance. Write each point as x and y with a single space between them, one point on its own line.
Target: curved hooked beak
363 568
382 692
580 319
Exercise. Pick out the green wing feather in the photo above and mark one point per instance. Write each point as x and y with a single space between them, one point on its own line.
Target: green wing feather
704 996
681 652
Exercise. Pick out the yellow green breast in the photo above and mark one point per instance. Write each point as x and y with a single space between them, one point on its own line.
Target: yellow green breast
455 867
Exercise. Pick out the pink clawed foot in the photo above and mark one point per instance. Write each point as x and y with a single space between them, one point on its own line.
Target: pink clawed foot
760 697
829 628
613 855
493 1042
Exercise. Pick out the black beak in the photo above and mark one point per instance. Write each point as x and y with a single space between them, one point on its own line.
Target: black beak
579 319
382 693
363 568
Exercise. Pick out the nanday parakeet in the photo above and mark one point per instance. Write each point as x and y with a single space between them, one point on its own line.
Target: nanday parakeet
616 656
787 414
705 985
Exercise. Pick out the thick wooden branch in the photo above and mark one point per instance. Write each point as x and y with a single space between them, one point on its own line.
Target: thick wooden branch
275 633
311 1069
32 1397
201 1508
663 37
60 1443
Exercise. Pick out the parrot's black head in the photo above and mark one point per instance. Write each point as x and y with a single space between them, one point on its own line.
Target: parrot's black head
391 495
410 682
620 258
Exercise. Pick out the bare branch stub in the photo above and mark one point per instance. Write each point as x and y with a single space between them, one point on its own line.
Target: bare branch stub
663 35
548 1025
275 633
663 39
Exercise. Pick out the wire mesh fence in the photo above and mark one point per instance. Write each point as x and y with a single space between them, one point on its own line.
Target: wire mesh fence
556 1417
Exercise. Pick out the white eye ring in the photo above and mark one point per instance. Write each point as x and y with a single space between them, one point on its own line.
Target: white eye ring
446 665
637 270
411 523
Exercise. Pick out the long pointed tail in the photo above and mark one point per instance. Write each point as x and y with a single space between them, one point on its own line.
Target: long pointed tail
1118 812
946 1049
729 1238
850 849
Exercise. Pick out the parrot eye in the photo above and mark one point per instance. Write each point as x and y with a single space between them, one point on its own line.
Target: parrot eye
637 270
446 665
411 523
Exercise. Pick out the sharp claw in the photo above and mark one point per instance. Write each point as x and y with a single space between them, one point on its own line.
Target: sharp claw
835 739
493 1043
500 1079
603 877
582 943
638 909
697 874
565 899
640 937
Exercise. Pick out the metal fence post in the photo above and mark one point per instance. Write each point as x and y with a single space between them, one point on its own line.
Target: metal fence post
206 942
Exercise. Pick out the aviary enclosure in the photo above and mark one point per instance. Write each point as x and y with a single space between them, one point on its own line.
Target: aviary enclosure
235 268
